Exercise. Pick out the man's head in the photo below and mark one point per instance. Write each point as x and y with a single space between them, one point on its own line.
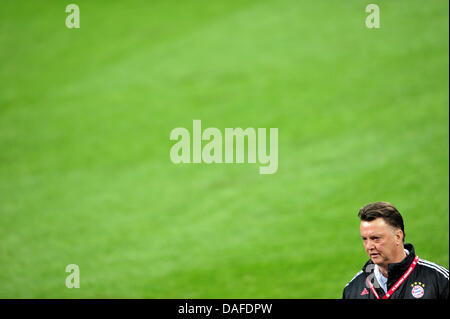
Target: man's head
382 232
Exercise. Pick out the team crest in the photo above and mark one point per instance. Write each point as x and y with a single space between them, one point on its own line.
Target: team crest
418 290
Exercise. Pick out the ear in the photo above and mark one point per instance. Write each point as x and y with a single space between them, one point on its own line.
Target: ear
399 236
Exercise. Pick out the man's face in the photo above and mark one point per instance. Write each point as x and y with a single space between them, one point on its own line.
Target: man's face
380 240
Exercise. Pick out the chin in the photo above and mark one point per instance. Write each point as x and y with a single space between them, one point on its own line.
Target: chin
377 260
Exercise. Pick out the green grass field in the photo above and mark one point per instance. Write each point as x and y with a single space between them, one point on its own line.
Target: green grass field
85 118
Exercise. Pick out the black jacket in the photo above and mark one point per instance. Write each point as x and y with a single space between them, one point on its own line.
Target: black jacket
427 280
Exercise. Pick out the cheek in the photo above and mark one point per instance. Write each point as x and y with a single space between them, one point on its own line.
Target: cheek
380 247
374 245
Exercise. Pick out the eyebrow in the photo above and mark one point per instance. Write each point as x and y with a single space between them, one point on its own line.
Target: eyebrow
372 236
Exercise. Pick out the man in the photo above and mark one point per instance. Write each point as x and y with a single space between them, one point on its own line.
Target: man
394 271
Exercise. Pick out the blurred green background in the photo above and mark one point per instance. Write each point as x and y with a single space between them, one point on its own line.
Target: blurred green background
85 118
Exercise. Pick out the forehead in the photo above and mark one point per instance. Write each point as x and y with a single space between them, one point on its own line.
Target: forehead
375 226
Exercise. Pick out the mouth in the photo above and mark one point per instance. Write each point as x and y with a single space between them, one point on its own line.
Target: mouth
374 255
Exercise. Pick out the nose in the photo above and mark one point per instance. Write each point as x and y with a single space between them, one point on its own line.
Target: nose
369 245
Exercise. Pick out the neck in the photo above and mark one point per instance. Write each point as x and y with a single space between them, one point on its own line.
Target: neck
398 258
383 270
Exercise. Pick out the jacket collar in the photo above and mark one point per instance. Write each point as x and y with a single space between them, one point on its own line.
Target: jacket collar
395 271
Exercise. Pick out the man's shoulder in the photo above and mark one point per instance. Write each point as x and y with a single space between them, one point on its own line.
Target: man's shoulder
357 278
355 286
432 269
360 276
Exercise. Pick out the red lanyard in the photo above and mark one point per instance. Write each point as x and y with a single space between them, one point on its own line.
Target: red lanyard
398 283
